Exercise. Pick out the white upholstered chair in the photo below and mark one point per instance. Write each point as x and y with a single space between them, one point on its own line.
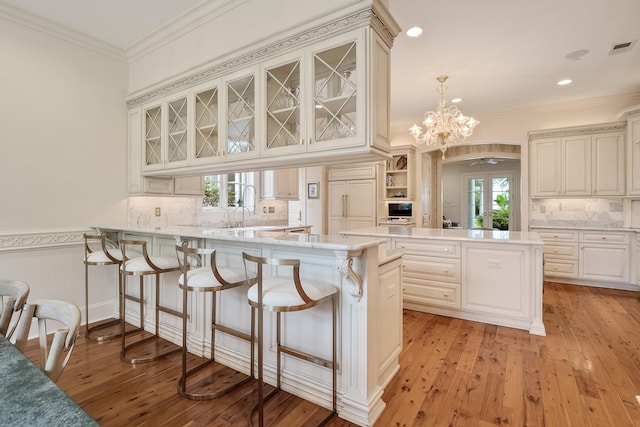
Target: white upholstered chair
282 295
13 295
55 351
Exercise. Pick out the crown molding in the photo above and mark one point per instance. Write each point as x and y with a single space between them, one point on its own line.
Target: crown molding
59 32
178 27
28 240
334 27
578 130
628 112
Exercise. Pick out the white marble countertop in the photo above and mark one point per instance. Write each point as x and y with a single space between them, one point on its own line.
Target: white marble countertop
276 235
550 227
522 237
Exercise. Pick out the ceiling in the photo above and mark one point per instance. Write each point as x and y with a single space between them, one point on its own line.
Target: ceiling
499 55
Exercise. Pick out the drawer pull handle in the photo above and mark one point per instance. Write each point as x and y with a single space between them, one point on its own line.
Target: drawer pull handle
446 270
604 238
555 250
445 296
446 250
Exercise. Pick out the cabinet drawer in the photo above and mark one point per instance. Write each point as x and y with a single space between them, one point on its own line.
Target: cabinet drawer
604 237
569 250
432 293
561 268
429 248
440 269
558 235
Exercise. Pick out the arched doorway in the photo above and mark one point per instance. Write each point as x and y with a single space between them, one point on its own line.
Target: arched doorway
478 161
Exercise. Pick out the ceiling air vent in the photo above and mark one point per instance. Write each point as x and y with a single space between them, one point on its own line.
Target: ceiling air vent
622 47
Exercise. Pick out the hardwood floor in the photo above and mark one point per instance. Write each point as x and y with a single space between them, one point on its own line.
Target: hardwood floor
585 372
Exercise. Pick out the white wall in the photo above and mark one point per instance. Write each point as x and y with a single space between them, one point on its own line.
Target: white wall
63 146
63 159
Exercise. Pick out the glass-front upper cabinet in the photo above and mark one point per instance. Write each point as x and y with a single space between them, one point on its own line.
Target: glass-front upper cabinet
240 120
177 131
283 106
153 140
337 97
206 124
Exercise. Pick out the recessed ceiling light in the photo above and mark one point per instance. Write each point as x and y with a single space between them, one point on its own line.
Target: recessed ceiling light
456 100
564 82
414 31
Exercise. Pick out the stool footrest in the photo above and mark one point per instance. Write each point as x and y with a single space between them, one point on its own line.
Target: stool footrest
133 360
182 387
91 335
234 332
306 356
170 311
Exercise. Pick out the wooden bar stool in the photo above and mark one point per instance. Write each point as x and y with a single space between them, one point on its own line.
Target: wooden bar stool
197 277
142 266
99 250
283 295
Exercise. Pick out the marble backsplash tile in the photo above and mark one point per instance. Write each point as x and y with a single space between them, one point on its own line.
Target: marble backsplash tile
188 211
586 212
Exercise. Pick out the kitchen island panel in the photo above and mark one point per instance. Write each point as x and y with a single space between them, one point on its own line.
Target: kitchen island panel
367 354
482 275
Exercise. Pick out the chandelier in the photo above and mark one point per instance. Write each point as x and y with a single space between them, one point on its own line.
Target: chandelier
445 126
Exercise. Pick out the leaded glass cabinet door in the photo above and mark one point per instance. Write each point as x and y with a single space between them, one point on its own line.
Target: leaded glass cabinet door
207 124
177 131
153 137
337 96
283 113
240 116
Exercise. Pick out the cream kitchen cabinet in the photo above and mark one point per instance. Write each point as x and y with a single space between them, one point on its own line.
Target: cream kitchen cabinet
281 184
561 253
432 273
316 98
592 257
561 167
202 126
608 165
578 162
605 256
399 174
633 154
352 198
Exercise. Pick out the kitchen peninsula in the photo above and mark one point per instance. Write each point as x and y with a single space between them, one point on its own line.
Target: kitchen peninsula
482 275
369 312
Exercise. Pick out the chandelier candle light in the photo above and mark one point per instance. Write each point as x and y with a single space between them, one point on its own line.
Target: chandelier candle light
445 126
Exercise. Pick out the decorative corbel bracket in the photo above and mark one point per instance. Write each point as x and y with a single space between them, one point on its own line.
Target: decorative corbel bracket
345 269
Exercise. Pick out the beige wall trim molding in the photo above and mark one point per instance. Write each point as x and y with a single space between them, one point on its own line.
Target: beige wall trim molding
299 40
578 130
52 29
26 240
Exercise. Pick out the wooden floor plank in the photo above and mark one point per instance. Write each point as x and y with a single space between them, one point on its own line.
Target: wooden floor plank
585 372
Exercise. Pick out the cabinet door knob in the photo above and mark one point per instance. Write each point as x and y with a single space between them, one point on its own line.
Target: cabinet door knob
446 250
301 141
446 270
445 296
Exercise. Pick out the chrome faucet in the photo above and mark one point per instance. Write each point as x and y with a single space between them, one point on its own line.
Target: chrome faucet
243 204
